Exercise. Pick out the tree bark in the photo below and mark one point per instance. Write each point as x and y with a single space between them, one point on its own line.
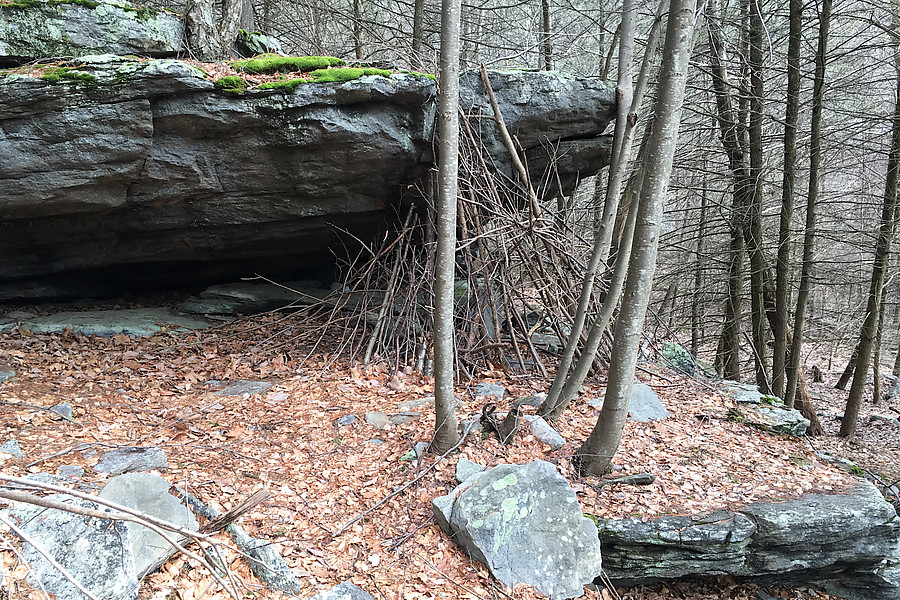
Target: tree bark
546 33
597 451
446 435
417 32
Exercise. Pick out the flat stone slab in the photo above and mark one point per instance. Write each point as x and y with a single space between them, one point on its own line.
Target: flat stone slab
243 386
645 405
127 460
343 591
93 551
136 322
148 493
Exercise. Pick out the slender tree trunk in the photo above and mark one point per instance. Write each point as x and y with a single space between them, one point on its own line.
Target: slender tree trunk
445 433
794 370
783 266
696 305
896 370
417 33
546 36
629 102
358 30
753 235
845 377
876 351
596 453
879 268
731 135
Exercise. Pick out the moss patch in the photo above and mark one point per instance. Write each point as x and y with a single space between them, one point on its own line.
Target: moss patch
231 84
25 4
348 74
273 63
60 74
287 85
418 74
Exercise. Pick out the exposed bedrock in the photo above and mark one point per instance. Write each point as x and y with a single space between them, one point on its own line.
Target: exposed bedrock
143 175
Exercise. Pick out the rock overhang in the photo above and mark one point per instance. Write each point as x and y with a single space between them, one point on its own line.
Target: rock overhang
142 174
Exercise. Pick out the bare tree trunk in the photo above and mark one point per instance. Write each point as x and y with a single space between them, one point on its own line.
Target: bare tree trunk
200 27
753 234
445 432
358 30
783 266
603 234
546 33
597 451
879 268
696 305
845 377
794 370
876 351
730 131
417 32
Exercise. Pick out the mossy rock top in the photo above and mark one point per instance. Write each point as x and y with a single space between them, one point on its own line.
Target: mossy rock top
274 63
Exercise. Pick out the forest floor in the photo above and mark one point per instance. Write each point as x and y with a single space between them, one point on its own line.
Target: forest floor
155 391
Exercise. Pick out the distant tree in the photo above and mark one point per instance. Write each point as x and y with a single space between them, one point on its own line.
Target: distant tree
879 269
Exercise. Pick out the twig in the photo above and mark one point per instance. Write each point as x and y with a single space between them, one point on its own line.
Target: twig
225 519
408 484
49 558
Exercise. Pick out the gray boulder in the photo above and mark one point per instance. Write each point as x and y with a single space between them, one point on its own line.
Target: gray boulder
645 405
677 357
150 494
343 591
244 386
524 522
542 430
32 30
848 541
848 544
581 108
130 459
765 412
635 551
13 448
95 552
493 391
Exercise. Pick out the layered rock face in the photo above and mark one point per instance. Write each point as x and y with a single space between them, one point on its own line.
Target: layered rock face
126 174
847 544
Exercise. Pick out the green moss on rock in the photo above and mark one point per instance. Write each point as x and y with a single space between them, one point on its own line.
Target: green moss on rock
419 74
231 84
26 4
287 85
60 74
347 74
273 63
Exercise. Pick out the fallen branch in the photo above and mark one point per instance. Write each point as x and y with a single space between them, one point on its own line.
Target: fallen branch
119 513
